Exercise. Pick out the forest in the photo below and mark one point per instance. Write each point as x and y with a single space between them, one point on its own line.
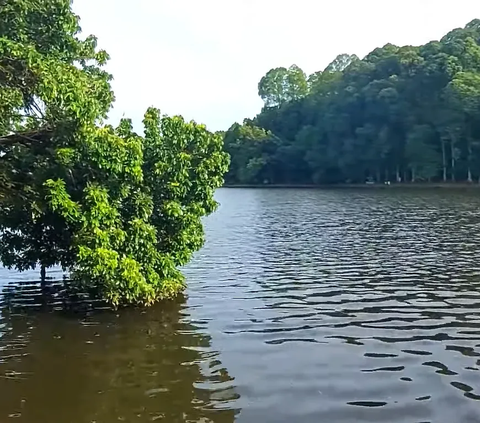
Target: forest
399 115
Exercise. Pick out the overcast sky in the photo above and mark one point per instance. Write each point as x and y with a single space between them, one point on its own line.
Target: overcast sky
203 58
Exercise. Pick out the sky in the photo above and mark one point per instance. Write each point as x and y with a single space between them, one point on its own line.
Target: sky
203 59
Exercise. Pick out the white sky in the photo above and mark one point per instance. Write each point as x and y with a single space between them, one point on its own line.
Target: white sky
203 58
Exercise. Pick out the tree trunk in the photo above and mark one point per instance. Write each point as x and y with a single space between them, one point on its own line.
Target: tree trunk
413 175
469 162
452 152
43 273
397 174
43 285
444 160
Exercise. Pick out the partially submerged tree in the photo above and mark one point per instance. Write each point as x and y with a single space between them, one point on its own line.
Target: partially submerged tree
119 211
138 215
53 92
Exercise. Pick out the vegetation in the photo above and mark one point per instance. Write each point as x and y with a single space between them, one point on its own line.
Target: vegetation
402 114
117 210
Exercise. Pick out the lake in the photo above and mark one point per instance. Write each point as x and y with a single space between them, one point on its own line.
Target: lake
304 306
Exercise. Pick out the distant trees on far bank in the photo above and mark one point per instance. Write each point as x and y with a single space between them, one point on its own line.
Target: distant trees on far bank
401 114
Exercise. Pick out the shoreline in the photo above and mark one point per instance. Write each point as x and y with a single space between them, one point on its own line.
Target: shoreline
439 185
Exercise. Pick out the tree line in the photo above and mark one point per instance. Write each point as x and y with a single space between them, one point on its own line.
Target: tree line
118 210
401 114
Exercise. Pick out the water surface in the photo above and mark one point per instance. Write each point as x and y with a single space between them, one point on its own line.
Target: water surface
304 306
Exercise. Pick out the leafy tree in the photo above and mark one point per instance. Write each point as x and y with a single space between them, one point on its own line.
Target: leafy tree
320 83
464 91
119 211
252 149
341 62
421 155
282 85
52 89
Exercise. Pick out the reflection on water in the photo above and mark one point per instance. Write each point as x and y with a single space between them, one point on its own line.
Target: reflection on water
106 367
343 306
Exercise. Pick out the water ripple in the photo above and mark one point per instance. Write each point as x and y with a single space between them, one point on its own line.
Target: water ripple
311 290
304 305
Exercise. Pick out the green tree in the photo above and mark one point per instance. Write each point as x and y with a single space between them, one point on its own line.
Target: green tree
341 62
421 155
53 90
464 92
251 149
282 85
119 211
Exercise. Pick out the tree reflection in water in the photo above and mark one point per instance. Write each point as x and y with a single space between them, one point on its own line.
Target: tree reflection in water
103 367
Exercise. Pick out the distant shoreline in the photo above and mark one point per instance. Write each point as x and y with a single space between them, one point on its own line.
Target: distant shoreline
439 185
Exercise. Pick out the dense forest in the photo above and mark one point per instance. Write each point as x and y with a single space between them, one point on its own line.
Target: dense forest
401 114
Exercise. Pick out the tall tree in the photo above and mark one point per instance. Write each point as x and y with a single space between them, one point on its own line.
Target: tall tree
341 62
120 211
282 85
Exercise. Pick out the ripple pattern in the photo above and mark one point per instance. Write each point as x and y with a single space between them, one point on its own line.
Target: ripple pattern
348 306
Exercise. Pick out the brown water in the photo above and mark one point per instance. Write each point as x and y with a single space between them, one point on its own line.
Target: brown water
304 306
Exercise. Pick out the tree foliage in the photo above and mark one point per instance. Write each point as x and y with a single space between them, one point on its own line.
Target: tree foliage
120 211
400 114
282 85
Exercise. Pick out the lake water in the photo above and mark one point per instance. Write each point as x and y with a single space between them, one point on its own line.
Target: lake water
303 306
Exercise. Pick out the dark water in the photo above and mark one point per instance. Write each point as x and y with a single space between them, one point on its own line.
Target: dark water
304 306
